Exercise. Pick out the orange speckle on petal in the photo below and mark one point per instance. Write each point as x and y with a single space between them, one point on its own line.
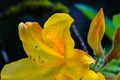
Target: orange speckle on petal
59 45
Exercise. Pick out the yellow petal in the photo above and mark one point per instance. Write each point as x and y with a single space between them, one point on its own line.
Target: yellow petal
30 35
56 33
24 70
91 75
72 72
32 29
76 66
80 57
62 77
96 32
115 51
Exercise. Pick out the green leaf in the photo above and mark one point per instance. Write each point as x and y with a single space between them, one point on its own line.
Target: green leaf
112 69
90 13
116 20
87 11
114 65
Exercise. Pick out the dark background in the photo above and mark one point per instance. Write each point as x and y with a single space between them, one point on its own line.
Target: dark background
9 39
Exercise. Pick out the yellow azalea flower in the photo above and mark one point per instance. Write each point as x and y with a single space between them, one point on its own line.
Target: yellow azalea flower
96 32
91 75
51 53
115 51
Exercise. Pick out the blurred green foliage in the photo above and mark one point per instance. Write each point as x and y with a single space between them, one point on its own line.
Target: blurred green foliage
27 6
116 20
60 7
35 7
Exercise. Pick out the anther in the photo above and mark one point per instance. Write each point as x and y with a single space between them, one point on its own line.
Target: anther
33 59
42 61
39 57
30 56
36 45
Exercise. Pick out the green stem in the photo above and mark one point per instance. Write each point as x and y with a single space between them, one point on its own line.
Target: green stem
94 68
104 66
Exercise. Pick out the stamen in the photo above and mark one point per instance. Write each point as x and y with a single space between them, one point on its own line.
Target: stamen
36 45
